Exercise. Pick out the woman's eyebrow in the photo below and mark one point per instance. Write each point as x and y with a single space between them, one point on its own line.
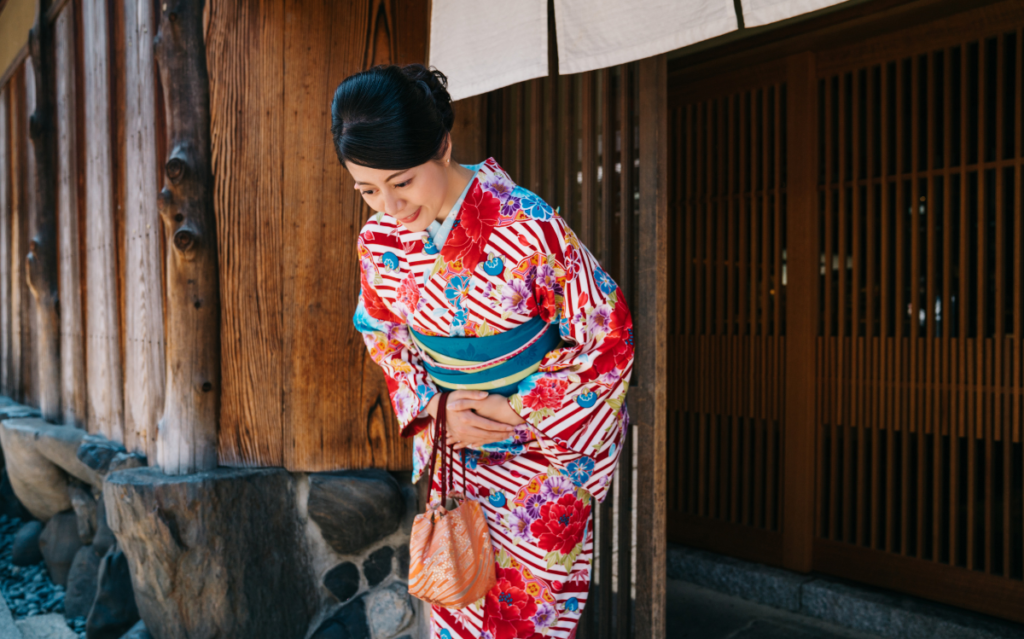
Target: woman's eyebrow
390 177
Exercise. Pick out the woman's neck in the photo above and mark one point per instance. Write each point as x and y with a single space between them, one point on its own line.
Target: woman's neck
458 177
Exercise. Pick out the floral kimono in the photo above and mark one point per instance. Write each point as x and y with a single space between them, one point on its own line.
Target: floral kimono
502 259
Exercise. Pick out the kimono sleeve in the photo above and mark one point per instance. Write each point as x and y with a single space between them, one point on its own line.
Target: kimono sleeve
575 402
387 338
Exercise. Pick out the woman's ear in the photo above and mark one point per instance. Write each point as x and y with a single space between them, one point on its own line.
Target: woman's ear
448 149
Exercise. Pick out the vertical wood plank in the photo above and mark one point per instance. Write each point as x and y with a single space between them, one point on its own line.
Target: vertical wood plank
16 156
948 377
105 411
144 323
651 361
27 213
72 347
6 179
801 312
469 133
245 55
323 44
588 161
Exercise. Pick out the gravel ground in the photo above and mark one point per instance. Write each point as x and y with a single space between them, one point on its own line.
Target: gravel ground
28 590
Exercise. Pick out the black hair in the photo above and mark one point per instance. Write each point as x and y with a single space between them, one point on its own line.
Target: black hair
392 117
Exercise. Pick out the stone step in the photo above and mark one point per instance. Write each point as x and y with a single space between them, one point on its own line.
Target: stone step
8 629
51 626
858 607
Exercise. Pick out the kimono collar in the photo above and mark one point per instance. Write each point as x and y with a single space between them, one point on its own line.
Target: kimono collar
437 231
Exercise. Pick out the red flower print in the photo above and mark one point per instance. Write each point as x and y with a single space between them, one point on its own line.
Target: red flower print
615 357
573 262
548 393
468 238
375 306
561 524
409 293
545 298
508 609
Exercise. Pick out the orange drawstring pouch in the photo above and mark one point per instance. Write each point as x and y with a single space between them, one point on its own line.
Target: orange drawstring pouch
451 561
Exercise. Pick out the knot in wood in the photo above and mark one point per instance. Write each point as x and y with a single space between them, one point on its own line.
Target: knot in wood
35 125
183 240
175 168
207 387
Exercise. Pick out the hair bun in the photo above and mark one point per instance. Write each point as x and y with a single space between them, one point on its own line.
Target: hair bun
435 84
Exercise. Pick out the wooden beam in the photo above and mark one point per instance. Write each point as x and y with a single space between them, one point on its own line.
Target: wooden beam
187 434
651 330
41 261
72 347
801 314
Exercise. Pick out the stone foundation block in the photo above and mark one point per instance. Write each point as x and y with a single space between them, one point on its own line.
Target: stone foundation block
214 554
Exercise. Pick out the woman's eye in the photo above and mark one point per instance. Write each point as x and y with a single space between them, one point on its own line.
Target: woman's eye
367 192
406 183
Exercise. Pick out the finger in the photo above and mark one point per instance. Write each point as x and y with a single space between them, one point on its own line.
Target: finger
463 404
483 423
467 394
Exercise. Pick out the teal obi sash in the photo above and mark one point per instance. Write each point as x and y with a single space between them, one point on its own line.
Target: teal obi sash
496 363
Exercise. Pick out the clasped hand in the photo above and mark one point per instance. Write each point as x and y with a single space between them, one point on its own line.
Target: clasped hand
476 418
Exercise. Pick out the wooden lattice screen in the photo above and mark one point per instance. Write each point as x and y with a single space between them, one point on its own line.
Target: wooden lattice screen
727 335
911 157
920 360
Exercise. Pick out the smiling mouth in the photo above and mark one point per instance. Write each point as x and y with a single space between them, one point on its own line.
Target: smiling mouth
412 218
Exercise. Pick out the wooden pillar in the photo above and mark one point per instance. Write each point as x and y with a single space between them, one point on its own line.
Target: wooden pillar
187 434
651 331
802 313
41 261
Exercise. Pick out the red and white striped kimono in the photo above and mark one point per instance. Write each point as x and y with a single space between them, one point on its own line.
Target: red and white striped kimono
503 257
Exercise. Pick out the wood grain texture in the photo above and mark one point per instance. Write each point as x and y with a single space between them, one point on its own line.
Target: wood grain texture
469 134
802 274
72 346
299 388
103 351
187 433
5 242
144 326
245 54
325 43
26 213
15 157
650 320
41 260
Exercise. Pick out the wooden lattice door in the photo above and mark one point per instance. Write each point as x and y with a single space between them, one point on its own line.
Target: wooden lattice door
727 339
848 290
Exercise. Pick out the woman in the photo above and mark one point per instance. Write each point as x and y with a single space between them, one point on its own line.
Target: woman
470 282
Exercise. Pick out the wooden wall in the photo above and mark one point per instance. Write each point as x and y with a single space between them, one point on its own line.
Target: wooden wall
299 389
99 55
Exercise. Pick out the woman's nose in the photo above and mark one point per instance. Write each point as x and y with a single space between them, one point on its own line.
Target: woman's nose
393 205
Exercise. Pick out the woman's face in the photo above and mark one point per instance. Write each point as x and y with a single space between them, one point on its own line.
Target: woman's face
414 196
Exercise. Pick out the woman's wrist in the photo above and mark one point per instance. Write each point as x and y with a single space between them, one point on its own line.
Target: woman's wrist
432 405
